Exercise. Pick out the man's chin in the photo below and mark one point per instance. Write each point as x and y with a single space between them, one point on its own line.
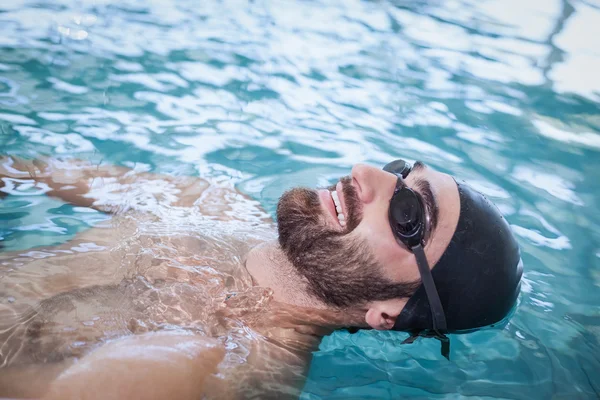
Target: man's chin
298 218
297 204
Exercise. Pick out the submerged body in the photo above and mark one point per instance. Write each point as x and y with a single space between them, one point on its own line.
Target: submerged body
173 261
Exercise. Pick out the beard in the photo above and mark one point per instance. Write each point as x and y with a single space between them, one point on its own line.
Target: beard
340 268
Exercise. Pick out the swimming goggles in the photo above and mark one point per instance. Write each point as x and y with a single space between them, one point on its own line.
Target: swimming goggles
408 220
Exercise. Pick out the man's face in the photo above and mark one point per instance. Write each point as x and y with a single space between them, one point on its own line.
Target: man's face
354 258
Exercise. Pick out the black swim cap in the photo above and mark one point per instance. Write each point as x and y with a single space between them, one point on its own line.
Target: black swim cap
478 278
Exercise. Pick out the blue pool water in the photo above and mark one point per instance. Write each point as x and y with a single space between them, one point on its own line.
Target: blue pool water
503 94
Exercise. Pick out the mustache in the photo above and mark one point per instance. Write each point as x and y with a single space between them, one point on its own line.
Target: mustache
351 201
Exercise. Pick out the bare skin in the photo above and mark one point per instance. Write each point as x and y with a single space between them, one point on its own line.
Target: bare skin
157 366
136 262
103 265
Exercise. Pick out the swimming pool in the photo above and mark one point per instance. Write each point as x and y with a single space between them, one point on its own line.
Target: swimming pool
505 95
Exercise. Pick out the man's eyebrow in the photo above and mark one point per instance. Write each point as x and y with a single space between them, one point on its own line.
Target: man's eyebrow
419 166
422 186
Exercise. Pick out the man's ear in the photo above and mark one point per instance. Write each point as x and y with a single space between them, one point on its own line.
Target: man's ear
382 315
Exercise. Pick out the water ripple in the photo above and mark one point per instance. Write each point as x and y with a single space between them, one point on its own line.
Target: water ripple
266 95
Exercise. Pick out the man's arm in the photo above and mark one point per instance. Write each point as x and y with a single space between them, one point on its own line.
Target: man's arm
161 365
114 189
107 188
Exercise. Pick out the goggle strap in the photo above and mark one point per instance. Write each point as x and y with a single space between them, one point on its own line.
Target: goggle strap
444 340
437 311
445 345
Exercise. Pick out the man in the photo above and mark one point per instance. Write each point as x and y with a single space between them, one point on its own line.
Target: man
184 261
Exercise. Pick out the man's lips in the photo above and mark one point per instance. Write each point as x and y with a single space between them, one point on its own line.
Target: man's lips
339 188
327 203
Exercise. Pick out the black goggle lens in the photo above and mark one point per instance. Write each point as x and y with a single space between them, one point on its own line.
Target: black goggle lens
406 211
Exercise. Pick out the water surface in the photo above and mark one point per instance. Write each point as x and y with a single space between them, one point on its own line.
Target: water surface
266 95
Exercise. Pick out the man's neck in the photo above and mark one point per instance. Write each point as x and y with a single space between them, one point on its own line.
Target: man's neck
269 267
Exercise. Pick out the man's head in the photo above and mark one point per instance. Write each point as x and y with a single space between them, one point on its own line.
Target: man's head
355 260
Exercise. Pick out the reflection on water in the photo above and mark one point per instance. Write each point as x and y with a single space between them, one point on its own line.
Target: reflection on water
267 95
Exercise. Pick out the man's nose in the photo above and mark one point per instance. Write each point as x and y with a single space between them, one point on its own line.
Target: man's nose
367 179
